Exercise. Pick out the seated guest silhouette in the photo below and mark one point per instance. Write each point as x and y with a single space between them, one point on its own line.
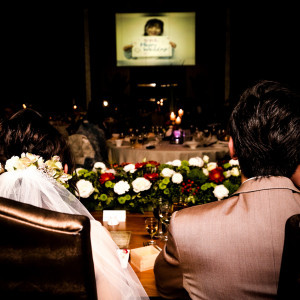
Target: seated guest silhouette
93 128
35 153
232 249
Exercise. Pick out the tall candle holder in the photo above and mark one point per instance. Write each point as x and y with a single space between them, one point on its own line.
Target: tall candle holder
176 119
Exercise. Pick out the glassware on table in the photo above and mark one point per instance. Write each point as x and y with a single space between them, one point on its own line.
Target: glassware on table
179 204
165 213
140 139
222 134
132 139
160 231
151 225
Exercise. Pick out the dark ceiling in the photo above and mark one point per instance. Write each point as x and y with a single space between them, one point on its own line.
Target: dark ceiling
44 51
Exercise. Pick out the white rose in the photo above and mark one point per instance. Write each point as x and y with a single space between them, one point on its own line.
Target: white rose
10 163
141 184
99 165
205 171
177 178
129 168
234 162
85 188
211 166
121 187
110 171
206 159
196 162
167 172
227 174
176 163
235 171
220 192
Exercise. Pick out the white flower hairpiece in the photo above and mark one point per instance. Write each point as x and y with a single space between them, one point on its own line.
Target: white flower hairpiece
52 167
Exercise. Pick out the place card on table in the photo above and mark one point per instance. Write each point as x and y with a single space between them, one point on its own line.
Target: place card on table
114 215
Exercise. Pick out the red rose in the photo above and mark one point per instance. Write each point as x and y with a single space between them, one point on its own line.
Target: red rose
151 176
216 175
139 165
105 177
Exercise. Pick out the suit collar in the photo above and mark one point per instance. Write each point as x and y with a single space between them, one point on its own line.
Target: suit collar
266 183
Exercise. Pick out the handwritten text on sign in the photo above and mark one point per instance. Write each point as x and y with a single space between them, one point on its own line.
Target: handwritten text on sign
152 46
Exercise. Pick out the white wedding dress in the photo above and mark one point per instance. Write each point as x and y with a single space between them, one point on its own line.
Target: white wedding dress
36 188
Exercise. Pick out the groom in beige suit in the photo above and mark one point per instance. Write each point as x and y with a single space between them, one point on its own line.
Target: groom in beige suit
231 249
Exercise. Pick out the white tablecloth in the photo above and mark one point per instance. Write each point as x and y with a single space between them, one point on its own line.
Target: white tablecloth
164 152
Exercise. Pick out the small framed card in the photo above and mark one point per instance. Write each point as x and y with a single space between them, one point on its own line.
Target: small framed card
117 215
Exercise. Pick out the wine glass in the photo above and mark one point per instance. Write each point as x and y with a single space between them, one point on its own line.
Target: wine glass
151 225
165 213
133 139
140 139
160 231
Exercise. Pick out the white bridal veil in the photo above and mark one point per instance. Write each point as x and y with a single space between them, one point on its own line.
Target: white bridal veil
33 187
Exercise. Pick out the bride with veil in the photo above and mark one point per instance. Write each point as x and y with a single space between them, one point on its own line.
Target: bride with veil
33 154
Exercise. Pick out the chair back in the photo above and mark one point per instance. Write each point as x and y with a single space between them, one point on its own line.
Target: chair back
289 278
44 254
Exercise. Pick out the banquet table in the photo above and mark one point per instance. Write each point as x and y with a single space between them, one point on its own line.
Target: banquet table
135 223
164 152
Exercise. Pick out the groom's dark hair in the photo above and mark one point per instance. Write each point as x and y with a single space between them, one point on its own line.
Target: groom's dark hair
28 131
265 128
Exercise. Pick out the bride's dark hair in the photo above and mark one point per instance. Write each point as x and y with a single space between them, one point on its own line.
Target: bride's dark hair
28 131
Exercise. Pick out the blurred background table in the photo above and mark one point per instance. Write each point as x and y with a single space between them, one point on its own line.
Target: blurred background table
135 223
164 152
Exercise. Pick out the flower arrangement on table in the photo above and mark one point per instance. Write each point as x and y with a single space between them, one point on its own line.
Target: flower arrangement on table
138 187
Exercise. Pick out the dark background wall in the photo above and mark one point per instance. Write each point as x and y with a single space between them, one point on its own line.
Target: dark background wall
43 60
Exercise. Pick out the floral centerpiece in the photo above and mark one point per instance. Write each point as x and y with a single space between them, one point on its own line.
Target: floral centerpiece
137 187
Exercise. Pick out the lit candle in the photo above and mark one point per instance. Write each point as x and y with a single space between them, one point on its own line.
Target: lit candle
172 116
180 112
178 120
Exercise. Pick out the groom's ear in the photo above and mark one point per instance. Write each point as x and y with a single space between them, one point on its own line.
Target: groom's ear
231 149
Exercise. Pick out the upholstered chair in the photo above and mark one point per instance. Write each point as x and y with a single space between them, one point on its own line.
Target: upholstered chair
289 279
44 254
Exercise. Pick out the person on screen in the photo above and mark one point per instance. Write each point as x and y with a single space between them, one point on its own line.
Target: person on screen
232 248
153 27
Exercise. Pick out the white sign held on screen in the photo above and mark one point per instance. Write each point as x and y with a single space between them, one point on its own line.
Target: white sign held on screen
152 46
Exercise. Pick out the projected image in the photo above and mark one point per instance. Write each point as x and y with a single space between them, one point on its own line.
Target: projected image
154 40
